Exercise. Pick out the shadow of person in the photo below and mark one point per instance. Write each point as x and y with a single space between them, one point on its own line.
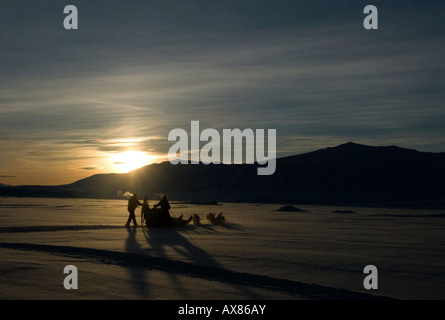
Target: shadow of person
168 243
138 275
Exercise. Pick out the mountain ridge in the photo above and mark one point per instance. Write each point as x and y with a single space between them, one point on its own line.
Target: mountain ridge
347 174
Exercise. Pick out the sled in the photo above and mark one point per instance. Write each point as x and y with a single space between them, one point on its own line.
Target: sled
155 217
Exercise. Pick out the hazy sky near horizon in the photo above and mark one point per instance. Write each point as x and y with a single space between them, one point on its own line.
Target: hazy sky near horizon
73 101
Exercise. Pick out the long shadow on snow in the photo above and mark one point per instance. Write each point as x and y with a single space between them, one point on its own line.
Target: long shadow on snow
125 259
137 274
162 241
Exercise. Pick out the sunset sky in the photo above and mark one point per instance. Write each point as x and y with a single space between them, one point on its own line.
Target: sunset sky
104 98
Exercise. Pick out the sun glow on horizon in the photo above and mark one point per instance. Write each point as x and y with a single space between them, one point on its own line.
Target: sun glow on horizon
127 161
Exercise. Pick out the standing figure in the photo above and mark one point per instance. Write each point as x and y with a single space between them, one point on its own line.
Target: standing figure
133 203
165 207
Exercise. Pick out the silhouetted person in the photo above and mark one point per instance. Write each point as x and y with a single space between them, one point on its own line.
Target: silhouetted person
165 207
133 202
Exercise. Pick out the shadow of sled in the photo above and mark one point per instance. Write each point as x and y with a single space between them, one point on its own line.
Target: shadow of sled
156 217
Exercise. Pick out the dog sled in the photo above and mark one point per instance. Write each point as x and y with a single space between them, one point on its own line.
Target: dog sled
158 217
155 217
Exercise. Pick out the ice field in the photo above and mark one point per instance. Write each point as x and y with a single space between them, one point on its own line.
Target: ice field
259 253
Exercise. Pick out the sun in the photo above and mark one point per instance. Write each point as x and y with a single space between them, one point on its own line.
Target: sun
127 161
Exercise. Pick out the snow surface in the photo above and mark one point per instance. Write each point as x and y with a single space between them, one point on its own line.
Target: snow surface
259 253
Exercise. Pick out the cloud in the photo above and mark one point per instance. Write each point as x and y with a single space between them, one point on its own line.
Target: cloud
132 73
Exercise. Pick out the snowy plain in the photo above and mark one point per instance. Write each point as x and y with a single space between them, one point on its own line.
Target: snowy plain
259 253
